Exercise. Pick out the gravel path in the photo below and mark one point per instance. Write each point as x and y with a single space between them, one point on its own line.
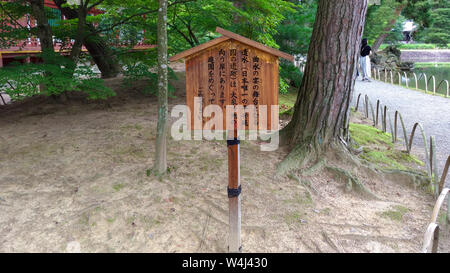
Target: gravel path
433 112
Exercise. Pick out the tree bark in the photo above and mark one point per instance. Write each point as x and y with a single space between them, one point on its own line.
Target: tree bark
322 109
44 32
79 39
376 45
99 50
160 163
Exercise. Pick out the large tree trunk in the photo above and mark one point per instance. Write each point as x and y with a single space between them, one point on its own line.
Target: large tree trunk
44 31
387 29
100 51
102 54
160 163
79 39
322 107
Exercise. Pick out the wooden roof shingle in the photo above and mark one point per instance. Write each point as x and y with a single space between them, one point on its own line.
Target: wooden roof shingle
230 35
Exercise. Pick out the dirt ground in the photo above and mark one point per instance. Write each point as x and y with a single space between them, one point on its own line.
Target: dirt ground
73 177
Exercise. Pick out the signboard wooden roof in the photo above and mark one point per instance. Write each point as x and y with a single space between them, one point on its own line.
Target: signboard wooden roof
230 35
233 71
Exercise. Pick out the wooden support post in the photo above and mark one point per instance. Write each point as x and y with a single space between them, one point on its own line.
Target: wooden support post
234 197
1 60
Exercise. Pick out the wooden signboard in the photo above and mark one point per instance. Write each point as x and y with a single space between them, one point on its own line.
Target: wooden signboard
233 71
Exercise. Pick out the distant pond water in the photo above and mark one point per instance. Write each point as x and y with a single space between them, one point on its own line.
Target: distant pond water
441 72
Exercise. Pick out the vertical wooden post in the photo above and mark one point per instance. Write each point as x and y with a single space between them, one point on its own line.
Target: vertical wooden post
1 60
234 198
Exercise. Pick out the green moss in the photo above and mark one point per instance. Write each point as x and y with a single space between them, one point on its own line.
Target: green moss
396 213
389 158
442 217
287 101
131 126
430 64
294 217
118 187
381 157
132 150
326 211
405 157
84 219
379 149
365 134
304 200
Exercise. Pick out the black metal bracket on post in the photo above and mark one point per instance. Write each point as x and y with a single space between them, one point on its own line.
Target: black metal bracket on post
234 192
232 142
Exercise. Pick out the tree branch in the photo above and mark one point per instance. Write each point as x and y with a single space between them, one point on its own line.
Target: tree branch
14 20
95 4
137 15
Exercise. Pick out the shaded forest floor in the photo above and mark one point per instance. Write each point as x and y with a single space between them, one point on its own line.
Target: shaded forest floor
73 177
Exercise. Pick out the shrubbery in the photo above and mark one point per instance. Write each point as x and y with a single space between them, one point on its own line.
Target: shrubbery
290 75
416 46
55 76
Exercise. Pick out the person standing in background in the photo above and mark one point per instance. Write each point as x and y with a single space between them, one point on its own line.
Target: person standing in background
364 60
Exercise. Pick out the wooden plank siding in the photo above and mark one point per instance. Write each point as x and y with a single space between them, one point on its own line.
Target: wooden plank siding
259 78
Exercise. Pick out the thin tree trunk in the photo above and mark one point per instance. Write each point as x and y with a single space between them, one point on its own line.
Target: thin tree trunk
78 44
376 45
44 32
99 50
160 163
322 107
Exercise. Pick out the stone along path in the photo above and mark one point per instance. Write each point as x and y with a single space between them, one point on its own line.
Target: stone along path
432 112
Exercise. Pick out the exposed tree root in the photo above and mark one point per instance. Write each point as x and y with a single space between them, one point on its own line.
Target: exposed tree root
345 155
354 147
417 179
308 185
315 168
330 242
353 182
297 159
294 167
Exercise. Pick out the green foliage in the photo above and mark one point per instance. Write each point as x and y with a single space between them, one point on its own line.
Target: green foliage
378 18
192 23
294 32
11 29
396 34
259 19
416 46
283 86
293 35
427 65
291 74
439 32
139 66
419 11
56 75
287 101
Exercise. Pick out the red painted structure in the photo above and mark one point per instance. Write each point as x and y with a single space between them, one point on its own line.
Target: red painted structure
28 49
